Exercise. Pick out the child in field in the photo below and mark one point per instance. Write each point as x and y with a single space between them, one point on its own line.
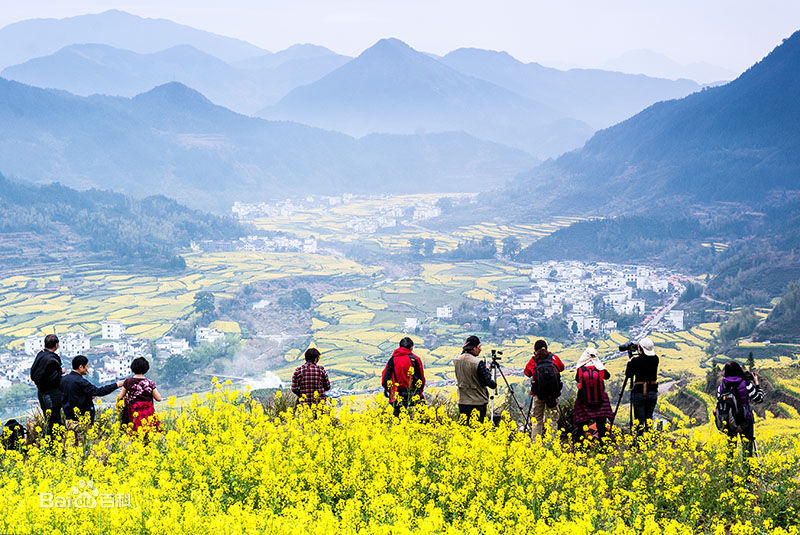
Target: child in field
139 394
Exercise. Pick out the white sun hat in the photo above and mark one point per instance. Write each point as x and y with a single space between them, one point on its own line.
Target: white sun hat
648 347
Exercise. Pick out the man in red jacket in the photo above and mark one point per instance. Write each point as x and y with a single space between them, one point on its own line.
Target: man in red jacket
403 379
545 385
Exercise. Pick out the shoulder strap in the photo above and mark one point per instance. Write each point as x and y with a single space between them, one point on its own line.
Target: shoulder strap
390 367
416 366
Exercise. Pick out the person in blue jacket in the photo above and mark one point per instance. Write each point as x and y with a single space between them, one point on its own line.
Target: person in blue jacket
77 393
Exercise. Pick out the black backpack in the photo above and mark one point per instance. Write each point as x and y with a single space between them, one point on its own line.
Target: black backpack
13 435
592 387
546 384
729 414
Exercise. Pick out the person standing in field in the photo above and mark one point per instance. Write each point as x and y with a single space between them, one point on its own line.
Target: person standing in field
403 378
78 393
643 371
473 379
139 394
310 381
46 373
544 369
592 406
743 388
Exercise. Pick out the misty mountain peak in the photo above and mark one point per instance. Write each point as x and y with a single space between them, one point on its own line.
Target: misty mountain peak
307 50
174 95
389 47
114 15
498 56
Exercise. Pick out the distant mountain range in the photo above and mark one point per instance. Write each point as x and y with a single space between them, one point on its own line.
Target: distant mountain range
297 52
389 88
737 142
34 38
651 63
87 69
600 98
173 141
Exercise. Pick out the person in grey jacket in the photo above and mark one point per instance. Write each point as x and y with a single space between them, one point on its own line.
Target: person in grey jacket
474 380
46 373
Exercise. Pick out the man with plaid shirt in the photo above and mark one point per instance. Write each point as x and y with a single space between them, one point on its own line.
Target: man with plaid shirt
310 381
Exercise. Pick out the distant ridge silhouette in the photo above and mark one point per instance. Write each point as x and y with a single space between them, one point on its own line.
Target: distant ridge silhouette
737 142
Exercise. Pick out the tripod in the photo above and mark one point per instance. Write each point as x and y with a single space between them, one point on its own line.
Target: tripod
619 400
495 367
629 348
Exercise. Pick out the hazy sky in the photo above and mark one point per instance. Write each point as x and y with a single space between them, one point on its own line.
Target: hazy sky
728 33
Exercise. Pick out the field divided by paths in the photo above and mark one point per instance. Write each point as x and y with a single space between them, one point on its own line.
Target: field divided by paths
35 304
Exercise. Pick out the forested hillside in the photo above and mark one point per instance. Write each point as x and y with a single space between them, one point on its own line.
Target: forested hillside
737 142
148 231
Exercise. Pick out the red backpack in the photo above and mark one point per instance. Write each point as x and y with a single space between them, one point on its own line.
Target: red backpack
591 386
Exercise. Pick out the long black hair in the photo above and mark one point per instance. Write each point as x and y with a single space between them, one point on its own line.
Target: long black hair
733 369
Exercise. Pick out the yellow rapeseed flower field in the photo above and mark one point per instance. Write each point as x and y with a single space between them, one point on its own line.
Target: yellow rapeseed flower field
228 464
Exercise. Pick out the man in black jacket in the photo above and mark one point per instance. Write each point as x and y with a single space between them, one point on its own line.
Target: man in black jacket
77 392
643 370
46 373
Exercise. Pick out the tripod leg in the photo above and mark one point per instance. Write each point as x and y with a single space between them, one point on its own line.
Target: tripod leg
491 414
619 400
510 390
528 418
630 422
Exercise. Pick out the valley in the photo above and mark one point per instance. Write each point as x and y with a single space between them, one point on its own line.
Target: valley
370 280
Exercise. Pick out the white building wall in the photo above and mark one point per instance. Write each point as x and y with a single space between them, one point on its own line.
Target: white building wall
111 330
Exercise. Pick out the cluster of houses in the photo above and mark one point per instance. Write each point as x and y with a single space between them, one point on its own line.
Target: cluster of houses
368 225
277 243
110 358
442 313
570 289
258 243
386 216
391 216
285 208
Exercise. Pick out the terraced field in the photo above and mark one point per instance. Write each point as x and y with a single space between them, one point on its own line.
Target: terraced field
145 304
331 225
358 327
356 330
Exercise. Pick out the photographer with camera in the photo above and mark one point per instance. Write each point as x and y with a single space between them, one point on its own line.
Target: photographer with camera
544 369
473 379
643 372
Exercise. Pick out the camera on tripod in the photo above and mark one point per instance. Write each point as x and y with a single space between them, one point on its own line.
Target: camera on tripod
630 347
496 357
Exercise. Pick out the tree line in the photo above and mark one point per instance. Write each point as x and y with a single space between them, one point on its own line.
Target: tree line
149 231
